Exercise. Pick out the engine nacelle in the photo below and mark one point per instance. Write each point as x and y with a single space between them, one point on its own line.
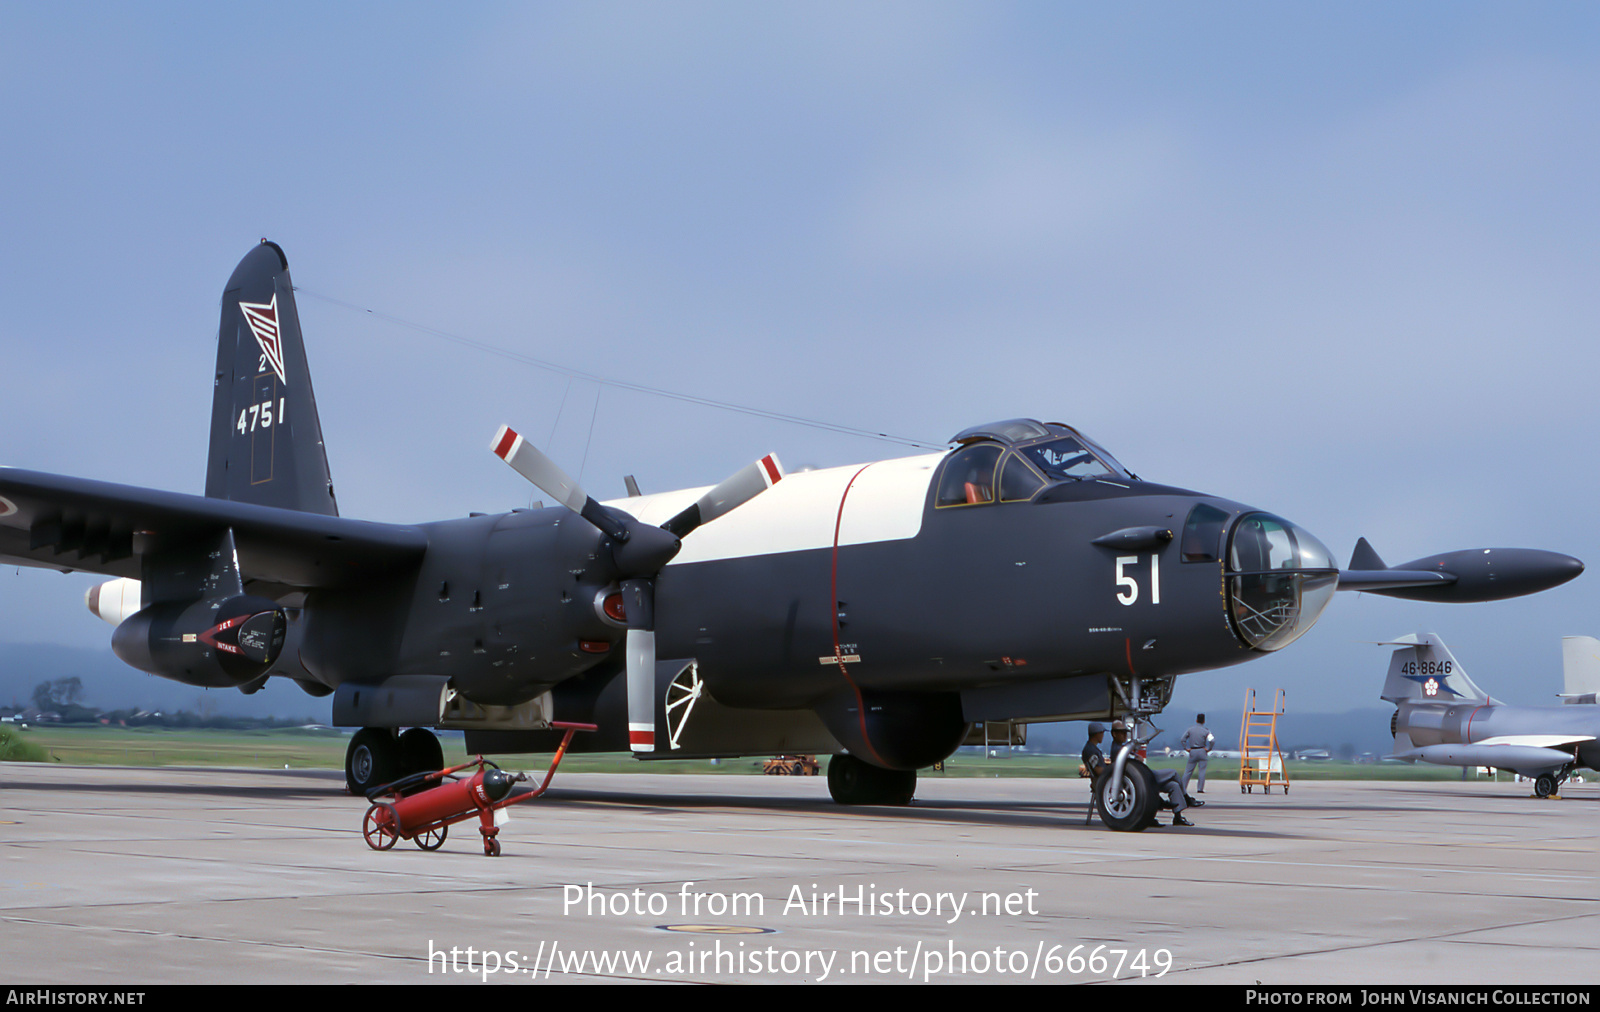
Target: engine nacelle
202 642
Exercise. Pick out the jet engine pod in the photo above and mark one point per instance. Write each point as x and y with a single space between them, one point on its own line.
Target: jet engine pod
1489 574
202 643
896 730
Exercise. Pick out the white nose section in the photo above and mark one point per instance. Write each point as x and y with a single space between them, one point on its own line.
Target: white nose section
113 601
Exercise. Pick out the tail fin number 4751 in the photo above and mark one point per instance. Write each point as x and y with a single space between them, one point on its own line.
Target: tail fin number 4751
259 415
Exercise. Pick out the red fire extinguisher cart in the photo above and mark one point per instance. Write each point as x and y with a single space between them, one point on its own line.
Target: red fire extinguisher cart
422 807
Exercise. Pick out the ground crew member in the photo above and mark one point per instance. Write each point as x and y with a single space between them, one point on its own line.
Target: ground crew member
1197 741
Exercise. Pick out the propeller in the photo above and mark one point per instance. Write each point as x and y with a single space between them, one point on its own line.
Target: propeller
639 552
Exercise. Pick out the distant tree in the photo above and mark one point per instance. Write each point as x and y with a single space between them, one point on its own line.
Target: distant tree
68 691
60 693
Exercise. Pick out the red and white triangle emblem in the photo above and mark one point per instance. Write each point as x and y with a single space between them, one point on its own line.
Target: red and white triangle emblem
263 320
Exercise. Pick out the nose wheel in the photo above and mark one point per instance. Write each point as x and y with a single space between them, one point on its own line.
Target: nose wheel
1132 806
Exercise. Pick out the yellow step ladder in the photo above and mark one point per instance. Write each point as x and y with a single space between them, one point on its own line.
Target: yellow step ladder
1260 758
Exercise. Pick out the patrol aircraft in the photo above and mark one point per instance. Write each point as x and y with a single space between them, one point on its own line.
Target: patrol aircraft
1442 717
874 612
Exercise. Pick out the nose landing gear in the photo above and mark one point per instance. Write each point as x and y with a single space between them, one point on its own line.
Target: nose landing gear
1131 805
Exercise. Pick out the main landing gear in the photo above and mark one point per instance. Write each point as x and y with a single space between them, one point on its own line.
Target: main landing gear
1547 784
853 782
377 755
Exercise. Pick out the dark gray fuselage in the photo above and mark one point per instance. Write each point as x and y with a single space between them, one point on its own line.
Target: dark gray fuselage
1006 593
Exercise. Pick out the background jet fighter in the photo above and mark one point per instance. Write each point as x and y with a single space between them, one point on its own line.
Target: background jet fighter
1442 717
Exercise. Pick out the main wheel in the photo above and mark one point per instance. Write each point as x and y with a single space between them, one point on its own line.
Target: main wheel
379 827
854 782
1544 785
848 780
1133 806
420 751
372 759
896 787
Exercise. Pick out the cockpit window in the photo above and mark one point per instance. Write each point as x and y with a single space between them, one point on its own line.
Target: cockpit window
1202 534
968 478
1018 481
1065 458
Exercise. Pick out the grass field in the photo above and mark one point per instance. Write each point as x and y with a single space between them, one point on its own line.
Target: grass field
296 748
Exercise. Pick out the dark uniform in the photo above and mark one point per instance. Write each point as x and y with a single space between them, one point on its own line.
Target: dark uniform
1167 782
1094 760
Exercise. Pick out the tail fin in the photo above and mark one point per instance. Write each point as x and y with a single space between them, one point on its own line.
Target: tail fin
1580 664
1424 669
266 440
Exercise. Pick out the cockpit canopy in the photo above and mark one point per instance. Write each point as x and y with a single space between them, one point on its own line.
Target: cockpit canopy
1009 461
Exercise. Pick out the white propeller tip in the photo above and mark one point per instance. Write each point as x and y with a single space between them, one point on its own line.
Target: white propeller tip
505 442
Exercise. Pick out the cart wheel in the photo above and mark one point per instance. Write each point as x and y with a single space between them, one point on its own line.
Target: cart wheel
1286 788
432 839
379 827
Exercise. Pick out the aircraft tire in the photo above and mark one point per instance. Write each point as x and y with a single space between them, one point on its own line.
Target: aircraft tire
1544 785
899 786
847 780
1134 807
373 759
854 782
420 752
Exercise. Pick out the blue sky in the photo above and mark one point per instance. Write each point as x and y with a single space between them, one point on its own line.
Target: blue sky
1336 261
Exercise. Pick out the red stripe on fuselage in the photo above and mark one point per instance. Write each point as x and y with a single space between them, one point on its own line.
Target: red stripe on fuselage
833 609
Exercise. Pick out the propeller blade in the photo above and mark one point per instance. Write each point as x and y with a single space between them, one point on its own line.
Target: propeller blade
528 461
638 598
733 492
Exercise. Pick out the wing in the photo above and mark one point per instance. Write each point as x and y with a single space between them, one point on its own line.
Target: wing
72 524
